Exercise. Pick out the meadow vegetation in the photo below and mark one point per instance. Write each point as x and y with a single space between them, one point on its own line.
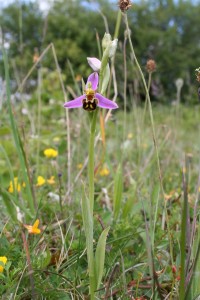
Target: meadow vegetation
142 238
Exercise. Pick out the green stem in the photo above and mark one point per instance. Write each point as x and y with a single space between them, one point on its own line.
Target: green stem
91 160
39 118
117 26
125 88
146 102
88 209
153 131
183 238
89 231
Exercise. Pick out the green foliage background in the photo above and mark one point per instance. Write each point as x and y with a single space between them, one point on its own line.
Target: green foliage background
165 30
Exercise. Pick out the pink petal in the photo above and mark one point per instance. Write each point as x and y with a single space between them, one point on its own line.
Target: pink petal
94 63
78 102
105 103
94 80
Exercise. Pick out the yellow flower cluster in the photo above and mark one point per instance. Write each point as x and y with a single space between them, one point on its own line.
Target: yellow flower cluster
79 166
3 261
51 180
56 139
172 194
50 153
41 180
104 171
16 186
129 136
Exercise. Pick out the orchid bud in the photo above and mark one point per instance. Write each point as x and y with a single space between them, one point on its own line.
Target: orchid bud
106 40
127 32
113 47
94 63
197 71
179 83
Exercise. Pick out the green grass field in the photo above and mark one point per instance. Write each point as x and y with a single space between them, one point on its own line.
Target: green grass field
58 254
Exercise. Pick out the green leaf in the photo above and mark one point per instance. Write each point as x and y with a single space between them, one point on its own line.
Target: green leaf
4 131
11 202
118 189
88 228
88 225
183 241
100 257
154 208
9 205
128 206
16 136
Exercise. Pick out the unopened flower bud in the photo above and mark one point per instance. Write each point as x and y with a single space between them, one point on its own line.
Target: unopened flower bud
94 63
124 5
127 33
174 270
113 48
179 83
106 40
151 65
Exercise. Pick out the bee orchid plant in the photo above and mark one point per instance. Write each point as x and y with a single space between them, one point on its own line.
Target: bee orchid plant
91 99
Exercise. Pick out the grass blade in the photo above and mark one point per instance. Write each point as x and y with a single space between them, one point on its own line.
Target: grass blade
100 257
16 138
118 189
88 228
183 238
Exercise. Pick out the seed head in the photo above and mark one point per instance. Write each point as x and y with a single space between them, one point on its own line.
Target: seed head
151 66
198 74
124 5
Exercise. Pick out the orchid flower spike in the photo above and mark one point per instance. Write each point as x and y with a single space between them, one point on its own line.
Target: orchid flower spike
90 99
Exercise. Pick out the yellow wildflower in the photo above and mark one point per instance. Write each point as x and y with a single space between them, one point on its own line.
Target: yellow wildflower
16 186
56 139
51 180
172 194
144 146
184 170
40 181
79 166
33 229
50 153
104 171
78 77
167 196
3 261
130 136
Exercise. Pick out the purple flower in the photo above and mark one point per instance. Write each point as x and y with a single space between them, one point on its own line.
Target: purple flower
90 100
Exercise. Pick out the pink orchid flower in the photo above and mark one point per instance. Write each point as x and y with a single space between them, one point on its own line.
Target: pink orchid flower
91 99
